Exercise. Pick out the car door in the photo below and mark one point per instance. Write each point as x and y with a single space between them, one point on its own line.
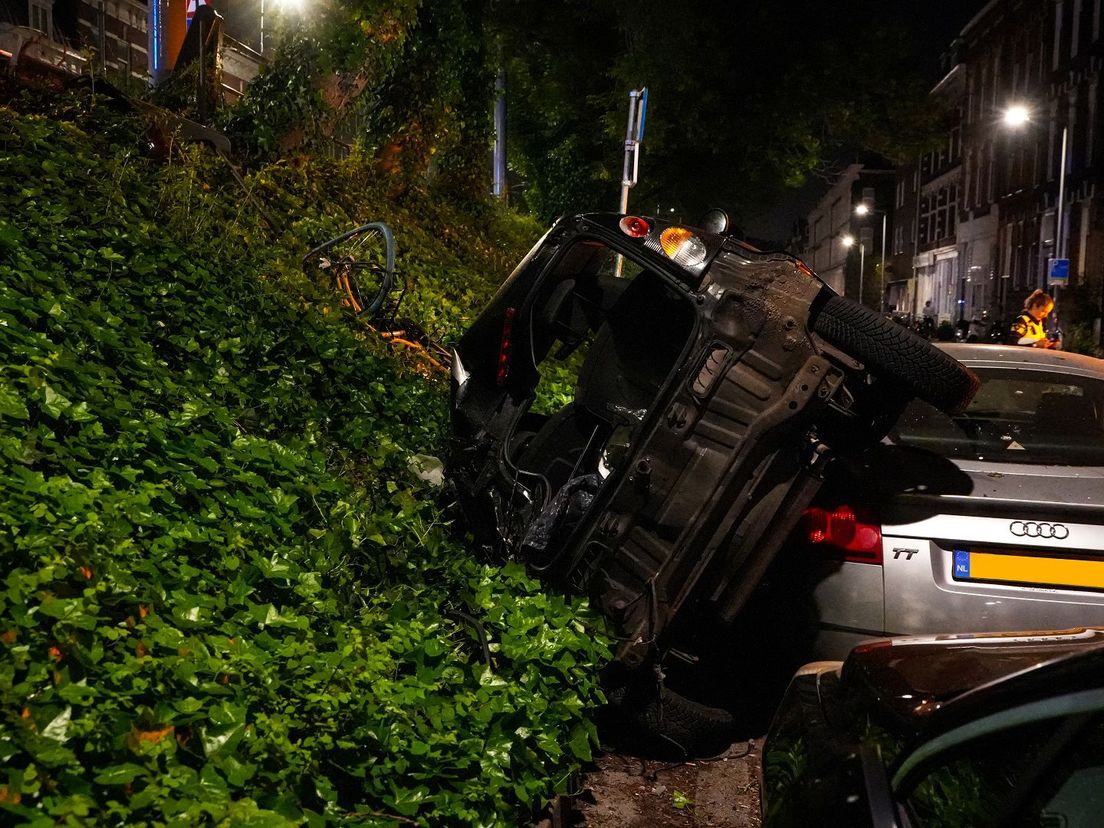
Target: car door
1039 764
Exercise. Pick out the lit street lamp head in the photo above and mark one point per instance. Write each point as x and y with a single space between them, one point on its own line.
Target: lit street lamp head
1017 115
862 210
847 241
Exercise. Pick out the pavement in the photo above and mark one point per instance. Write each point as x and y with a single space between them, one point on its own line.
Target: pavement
628 792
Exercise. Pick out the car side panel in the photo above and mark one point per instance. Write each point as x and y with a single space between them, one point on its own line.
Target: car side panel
851 596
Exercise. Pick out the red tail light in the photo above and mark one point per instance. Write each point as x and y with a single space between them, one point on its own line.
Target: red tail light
840 528
504 348
634 226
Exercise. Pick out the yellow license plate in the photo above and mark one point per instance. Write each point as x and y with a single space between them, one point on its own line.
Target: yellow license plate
1072 573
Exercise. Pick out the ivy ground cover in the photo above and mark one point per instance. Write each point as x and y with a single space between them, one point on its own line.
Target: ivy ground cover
224 599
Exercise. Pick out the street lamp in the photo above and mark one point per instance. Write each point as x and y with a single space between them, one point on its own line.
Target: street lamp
293 5
848 241
864 209
1018 115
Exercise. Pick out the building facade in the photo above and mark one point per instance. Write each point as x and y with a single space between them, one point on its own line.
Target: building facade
937 188
977 219
839 241
986 217
134 43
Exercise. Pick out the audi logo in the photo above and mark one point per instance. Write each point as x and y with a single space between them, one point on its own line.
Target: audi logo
1031 529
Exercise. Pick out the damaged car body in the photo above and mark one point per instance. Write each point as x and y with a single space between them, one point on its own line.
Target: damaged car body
644 410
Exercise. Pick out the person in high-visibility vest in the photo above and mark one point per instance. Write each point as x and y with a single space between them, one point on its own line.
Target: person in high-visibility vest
1027 329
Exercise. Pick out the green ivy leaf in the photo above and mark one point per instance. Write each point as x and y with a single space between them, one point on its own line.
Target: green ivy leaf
58 728
120 774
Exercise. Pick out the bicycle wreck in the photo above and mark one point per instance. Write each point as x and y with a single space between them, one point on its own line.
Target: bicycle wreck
644 410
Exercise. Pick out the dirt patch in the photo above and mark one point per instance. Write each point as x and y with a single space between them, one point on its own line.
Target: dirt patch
629 792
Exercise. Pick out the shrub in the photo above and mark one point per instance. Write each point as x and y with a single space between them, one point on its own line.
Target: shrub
225 599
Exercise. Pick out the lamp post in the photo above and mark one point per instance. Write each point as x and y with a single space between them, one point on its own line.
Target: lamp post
293 5
865 209
1015 117
848 241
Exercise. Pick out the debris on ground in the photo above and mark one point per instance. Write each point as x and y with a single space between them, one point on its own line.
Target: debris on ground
629 792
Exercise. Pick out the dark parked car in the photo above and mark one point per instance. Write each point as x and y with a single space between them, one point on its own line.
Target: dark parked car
957 730
644 410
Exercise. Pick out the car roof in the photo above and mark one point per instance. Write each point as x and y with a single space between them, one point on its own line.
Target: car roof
1018 356
931 684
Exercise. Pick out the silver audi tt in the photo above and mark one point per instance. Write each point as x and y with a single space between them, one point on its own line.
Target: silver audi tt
987 521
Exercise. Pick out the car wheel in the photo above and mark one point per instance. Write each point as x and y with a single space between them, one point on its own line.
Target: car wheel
894 353
642 715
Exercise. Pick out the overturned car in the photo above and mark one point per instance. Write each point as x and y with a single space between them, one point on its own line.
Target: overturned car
644 410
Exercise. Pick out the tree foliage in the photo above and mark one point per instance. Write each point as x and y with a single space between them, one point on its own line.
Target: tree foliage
318 74
408 81
561 101
745 99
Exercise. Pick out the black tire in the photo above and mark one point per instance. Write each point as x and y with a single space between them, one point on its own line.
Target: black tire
895 353
642 716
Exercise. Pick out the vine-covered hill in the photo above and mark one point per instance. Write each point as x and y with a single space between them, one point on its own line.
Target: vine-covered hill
225 599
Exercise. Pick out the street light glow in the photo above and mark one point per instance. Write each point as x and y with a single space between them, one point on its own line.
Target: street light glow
1017 115
848 240
862 210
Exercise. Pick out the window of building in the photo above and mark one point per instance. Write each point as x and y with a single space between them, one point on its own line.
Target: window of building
1075 30
984 92
989 174
41 16
1090 127
956 137
1059 13
995 102
979 165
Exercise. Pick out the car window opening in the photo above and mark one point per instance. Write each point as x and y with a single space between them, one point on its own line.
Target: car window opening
603 346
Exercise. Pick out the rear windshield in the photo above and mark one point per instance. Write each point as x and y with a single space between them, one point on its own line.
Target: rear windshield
1018 416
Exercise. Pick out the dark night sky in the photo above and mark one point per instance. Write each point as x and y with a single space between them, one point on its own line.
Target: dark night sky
934 24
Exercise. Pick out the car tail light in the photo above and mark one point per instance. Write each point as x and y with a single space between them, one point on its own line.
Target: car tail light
634 226
682 246
842 529
504 347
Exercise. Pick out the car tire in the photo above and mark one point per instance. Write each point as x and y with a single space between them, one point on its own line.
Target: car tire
643 716
892 352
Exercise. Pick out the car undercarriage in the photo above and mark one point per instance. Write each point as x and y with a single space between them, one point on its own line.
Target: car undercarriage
644 410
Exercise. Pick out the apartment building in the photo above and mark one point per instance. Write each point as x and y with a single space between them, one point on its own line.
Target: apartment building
839 240
132 42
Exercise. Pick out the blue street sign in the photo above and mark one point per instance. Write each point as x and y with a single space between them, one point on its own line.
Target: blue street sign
1057 271
643 114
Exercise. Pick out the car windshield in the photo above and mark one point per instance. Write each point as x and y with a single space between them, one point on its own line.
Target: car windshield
1017 416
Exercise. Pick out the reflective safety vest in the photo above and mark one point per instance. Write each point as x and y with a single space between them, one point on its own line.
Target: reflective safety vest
1027 330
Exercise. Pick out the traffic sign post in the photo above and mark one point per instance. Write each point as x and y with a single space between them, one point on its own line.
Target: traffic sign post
634 134
1058 271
